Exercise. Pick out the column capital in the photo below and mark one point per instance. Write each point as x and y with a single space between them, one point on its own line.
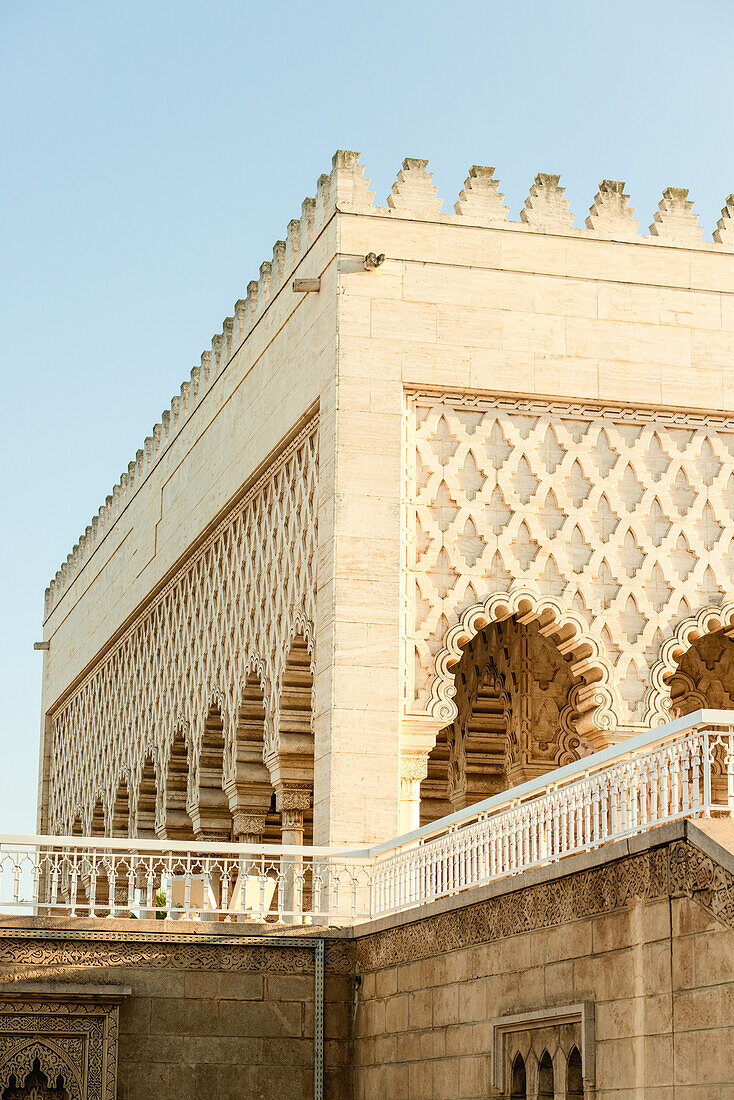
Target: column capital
289 797
248 821
292 819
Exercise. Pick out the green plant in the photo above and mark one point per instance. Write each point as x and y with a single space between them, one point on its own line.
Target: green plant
160 904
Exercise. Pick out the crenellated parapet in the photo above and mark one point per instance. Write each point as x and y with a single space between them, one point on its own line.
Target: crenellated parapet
344 184
414 196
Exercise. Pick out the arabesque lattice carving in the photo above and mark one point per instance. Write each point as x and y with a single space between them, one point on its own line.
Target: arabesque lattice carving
71 1039
234 606
610 526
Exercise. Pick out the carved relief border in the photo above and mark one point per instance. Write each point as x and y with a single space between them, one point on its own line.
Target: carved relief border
679 869
76 1039
64 950
574 897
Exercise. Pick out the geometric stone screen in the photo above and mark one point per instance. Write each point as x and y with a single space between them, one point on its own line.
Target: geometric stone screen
622 518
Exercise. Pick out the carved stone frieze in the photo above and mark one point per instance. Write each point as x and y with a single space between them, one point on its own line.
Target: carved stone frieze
573 897
696 875
167 951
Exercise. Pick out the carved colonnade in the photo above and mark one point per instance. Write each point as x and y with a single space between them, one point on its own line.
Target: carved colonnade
197 723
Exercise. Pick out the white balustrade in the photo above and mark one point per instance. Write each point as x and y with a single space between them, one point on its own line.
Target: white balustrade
682 769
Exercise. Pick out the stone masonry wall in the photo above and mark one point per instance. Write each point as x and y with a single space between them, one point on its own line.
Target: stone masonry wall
205 1018
643 930
647 937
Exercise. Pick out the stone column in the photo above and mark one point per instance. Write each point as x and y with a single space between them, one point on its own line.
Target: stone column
248 826
413 769
418 735
292 802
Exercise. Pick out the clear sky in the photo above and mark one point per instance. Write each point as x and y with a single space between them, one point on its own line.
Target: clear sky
154 150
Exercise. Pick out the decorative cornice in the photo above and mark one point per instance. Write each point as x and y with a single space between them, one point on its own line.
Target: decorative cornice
426 397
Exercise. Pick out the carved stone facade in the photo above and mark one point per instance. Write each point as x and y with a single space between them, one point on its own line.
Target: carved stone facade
603 527
617 965
524 429
620 518
209 1015
604 981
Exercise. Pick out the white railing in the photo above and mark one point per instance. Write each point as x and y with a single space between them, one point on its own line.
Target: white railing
682 769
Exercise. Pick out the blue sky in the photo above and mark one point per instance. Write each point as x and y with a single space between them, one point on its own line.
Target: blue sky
153 151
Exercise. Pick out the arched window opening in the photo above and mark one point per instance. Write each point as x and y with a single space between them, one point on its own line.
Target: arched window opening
210 816
705 679
519 1087
97 825
121 811
252 792
512 688
178 822
546 1087
147 795
36 1086
574 1077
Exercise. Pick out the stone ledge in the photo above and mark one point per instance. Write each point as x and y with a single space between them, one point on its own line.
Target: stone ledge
64 990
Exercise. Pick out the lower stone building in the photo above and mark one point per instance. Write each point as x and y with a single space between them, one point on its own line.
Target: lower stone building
608 976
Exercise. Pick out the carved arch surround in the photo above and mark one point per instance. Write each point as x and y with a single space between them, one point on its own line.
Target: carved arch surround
53 1062
596 700
686 634
71 1035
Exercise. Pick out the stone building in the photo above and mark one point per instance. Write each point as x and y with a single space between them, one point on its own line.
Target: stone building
448 506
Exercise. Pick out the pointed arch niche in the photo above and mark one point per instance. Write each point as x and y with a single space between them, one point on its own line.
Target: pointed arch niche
147 801
210 814
516 702
518 1084
250 789
546 1086
574 1076
177 821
